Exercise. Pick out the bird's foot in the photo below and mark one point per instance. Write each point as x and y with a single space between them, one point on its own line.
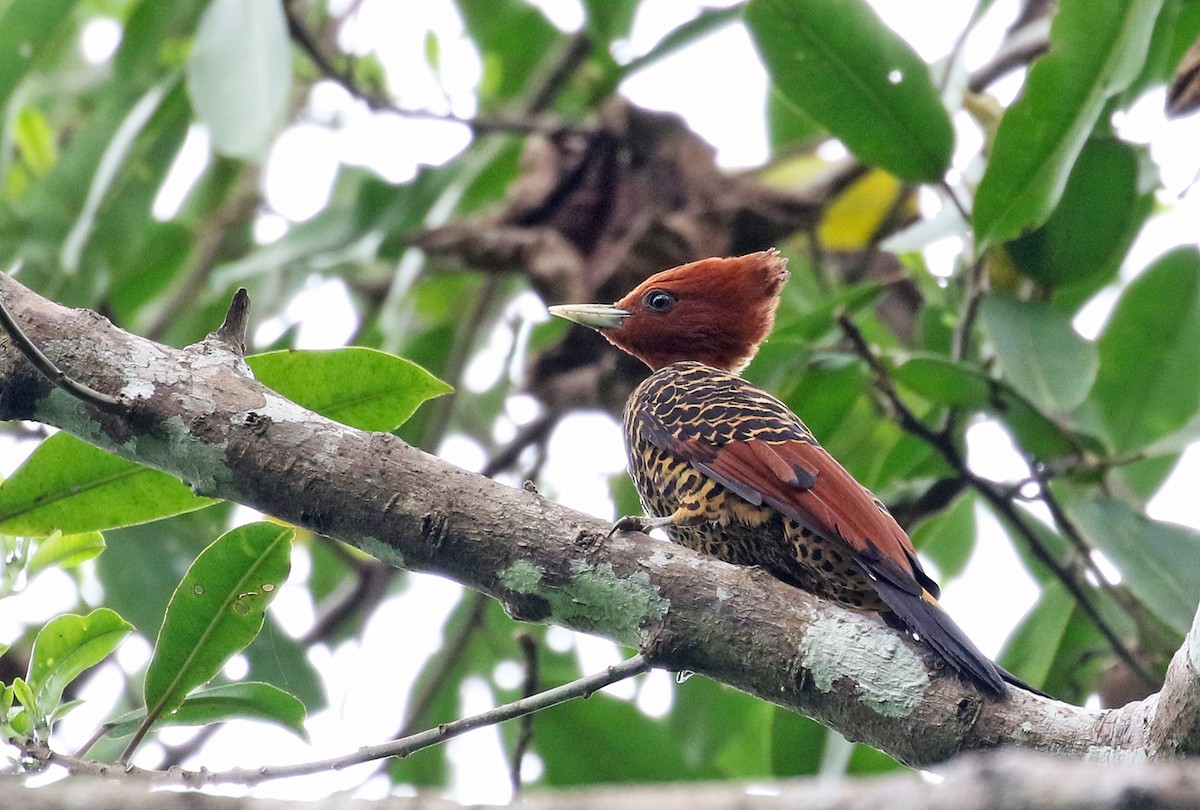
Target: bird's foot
630 523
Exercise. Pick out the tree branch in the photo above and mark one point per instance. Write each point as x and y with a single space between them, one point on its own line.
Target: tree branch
202 417
1015 780
480 125
580 688
52 372
999 500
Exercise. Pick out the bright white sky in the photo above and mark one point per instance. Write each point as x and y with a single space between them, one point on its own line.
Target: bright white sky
719 87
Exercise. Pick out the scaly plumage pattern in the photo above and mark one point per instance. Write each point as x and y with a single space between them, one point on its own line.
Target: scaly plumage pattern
727 469
676 424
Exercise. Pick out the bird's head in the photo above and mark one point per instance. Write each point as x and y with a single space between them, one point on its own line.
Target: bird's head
714 311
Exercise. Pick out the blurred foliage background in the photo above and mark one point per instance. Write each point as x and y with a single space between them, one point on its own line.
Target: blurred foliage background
953 265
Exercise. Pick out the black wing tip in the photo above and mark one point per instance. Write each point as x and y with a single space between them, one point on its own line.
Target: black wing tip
1009 678
935 627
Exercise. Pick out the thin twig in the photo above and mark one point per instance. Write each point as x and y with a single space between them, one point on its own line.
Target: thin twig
955 52
994 496
178 753
442 408
427 690
583 687
529 434
891 219
958 204
369 588
451 654
556 77
479 124
60 378
529 648
209 247
906 418
960 344
1020 48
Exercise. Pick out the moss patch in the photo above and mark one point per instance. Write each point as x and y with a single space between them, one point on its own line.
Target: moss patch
889 675
596 598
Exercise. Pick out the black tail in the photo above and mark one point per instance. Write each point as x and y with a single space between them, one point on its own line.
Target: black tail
926 619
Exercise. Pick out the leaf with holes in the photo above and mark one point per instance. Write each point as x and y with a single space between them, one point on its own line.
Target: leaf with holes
216 611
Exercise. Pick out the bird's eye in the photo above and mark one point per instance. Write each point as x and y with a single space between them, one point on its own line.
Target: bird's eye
659 300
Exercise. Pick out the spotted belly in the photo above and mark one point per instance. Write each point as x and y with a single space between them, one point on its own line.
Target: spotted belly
738 532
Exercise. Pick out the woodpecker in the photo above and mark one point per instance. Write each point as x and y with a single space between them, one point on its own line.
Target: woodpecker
728 470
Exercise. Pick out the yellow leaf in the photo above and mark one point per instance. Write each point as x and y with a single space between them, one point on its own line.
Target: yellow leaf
854 218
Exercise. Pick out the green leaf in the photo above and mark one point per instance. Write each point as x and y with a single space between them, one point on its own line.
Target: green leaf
108 169
1096 49
867 760
68 484
280 660
240 73
824 395
1148 384
1032 649
1039 351
24 722
797 744
65 551
62 710
34 137
216 611
838 63
948 538
68 645
363 388
944 382
604 739
25 29
1090 230
788 129
610 19
703 24
139 585
716 725
6 692
1159 562
251 700
512 37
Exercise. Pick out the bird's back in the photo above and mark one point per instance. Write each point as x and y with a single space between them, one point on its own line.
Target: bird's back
676 423
743 480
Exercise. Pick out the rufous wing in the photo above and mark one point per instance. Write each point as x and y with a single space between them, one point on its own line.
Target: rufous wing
808 485
805 483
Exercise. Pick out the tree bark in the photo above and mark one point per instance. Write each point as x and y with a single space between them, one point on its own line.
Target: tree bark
197 413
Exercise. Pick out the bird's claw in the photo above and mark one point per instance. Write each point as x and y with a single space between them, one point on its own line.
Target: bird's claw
629 523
